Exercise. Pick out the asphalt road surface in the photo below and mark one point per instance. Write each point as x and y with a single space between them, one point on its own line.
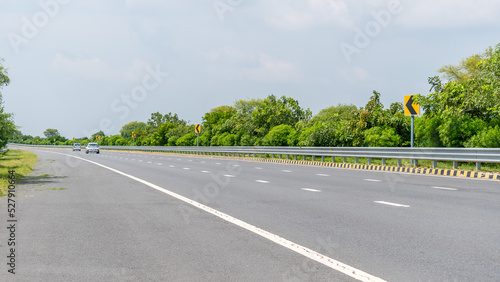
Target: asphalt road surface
155 217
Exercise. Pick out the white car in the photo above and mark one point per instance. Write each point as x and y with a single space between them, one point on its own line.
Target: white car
77 147
92 148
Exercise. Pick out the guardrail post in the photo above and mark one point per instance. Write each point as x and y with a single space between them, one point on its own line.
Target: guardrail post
344 159
478 166
356 160
254 155
415 162
280 156
369 161
323 158
434 164
304 157
312 158
383 161
260 155
295 157
455 164
399 162
287 156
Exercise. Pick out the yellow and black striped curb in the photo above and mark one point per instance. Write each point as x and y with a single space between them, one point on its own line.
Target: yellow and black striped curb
416 170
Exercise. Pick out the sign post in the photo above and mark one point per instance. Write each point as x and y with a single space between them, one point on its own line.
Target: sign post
133 138
197 129
411 109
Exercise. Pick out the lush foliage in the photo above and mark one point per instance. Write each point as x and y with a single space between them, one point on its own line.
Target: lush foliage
463 110
7 127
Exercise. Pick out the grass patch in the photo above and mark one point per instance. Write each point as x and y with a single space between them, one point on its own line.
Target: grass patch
20 161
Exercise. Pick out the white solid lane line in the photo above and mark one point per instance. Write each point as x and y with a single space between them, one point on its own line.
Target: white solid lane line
392 204
444 188
262 181
310 190
321 174
372 180
306 252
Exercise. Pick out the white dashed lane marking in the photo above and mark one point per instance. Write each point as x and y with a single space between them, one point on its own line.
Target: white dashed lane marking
372 180
444 188
262 181
310 190
284 170
392 204
321 174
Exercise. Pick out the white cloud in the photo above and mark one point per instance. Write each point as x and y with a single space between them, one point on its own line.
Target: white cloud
293 15
237 64
96 69
355 74
449 13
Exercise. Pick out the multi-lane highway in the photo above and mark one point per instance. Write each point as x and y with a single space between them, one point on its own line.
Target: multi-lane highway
140 217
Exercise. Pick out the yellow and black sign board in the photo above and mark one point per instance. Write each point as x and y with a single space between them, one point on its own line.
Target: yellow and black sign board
197 128
411 109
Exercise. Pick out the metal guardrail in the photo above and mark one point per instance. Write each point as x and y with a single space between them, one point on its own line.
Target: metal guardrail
4 150
455 155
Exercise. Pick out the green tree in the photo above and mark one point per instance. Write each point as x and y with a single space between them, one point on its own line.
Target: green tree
276 111
4 78
157 119
188 139
382 137
51 133
279 136
139 128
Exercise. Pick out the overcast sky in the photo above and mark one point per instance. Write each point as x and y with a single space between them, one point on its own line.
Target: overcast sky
84 65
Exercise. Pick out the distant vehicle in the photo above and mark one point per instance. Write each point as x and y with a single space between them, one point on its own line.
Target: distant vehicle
92 148
77 147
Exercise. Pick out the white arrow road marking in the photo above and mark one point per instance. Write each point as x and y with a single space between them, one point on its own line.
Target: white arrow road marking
304 251
392 204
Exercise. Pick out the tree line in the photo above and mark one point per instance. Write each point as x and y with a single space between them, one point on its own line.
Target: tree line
462 110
